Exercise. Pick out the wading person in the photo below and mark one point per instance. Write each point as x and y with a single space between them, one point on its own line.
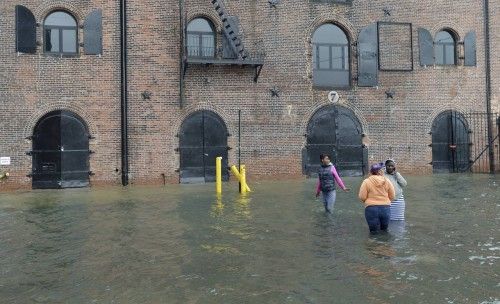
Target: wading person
327 177
377 193
398 181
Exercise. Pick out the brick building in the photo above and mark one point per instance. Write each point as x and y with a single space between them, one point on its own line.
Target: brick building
407 75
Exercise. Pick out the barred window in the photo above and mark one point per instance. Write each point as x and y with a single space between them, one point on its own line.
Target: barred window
330 57
200 38
444 48
60 33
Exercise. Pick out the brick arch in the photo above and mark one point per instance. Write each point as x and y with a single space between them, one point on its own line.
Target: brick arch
45 9
454 28
336 19
318 106
440 109
201 107
211 16
37 115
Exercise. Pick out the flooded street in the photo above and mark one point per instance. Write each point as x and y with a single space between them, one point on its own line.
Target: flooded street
180 244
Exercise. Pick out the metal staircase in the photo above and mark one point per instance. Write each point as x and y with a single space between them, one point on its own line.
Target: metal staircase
230 29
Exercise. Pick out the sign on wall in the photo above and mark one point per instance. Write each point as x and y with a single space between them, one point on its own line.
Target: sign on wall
5 161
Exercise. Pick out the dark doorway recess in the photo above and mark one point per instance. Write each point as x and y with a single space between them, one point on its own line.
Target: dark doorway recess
335 130
450 143
60 152
203 137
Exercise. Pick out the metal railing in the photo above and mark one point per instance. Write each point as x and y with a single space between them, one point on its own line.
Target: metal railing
218 53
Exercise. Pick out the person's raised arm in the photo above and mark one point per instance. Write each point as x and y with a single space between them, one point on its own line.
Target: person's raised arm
401 180
338 179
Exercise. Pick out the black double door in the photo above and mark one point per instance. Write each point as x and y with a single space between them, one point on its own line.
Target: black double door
450 143
60 152
203 137
335 130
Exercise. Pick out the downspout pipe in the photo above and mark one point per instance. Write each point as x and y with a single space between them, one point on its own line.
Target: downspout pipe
182 53
487 59
124 91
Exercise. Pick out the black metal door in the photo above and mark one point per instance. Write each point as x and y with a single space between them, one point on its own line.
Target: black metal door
450 143
335 130
203 137
60 152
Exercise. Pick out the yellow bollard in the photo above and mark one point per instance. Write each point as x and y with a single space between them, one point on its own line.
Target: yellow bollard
218 175
238 177
243 179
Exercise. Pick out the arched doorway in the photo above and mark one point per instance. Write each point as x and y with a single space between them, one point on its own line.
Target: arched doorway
203 137
450 143
60 151
335 130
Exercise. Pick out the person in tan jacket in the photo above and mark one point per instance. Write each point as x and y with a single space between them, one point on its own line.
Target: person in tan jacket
377 193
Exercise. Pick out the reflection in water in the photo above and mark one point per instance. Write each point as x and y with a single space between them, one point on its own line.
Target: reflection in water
380 246
182 244
242 206
217 207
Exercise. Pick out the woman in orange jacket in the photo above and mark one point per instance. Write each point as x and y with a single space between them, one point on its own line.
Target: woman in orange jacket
377 193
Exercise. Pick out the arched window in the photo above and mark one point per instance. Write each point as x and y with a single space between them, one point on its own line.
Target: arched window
200 38
444 48
330 57
60 33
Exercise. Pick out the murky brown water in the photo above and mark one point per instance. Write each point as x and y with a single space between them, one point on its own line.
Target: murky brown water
180 244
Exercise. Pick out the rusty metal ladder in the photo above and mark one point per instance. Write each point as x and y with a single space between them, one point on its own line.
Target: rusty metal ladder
230 29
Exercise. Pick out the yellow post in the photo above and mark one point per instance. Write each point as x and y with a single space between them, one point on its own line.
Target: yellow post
235 172
218 175
243 179
238 176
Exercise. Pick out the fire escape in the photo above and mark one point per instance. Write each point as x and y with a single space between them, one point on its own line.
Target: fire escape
232 52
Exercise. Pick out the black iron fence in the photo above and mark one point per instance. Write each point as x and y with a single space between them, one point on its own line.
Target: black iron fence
480 142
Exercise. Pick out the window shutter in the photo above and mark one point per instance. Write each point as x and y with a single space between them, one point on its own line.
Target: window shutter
426 47
25 30
470 49
368 57
92 33
227 50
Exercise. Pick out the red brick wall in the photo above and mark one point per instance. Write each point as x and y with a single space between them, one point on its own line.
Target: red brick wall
32 85
273 127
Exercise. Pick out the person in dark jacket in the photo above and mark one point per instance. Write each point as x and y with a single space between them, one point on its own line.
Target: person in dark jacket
327 177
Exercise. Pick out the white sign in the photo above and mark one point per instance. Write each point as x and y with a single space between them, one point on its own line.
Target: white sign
5 161
333 96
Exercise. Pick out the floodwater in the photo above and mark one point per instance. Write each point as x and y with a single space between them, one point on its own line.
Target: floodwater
180 244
